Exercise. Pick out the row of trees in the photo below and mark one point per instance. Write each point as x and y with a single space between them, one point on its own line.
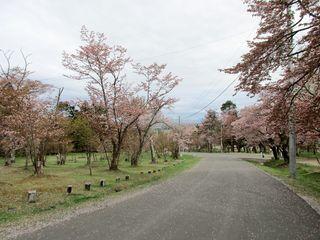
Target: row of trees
252 128
282 68
118 116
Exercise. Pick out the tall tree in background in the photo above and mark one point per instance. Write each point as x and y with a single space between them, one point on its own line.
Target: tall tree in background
209 129
228 115
228 106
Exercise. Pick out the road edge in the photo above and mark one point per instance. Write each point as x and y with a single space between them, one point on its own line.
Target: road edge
16 229
308 199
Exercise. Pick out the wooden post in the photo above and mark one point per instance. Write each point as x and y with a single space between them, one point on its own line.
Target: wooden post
102 183
87 186
32 195
69 189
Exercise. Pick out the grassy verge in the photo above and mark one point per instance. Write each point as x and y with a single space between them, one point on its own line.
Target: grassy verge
15 181
307 181
305 154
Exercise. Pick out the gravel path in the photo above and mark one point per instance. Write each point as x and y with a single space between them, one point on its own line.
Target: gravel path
220 198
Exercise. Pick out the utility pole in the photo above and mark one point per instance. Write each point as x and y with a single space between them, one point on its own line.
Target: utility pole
221 140
291 120
179 121
292 143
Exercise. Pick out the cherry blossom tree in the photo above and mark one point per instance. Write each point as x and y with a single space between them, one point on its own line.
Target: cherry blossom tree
254 127
115 105
155 87
273 50
283 60
27 119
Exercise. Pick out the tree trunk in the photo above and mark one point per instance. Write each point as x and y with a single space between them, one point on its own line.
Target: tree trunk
175 152
153 158
285 155
7 159
232 145
13 156
115 158
38 166
254 149
275 152
135 157
238 147
284 141
134 160
113 166
28 157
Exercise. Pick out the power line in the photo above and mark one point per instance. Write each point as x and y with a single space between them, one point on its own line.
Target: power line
213 100
192 47
205 93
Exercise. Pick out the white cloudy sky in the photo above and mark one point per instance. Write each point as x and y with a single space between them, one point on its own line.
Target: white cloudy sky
195 38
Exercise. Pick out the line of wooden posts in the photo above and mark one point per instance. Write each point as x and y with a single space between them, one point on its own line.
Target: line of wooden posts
32 194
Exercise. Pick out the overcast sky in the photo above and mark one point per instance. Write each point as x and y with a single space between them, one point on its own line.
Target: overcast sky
195 38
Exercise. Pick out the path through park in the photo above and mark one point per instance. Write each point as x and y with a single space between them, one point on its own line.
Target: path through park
220 198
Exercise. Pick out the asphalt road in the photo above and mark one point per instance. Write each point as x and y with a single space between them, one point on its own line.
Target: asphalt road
220 198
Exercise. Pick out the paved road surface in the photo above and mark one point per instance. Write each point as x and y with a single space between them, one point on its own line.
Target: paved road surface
220 198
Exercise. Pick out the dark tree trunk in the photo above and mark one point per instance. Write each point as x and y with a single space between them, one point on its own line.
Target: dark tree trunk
284 145
115 157
136 155
28 157
135 158
113 166
254 149
262 148
238 147
175 152
275 152
285 155
38 165
7 160
232 145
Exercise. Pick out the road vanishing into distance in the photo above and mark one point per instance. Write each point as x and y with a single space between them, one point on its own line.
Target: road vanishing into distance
221 197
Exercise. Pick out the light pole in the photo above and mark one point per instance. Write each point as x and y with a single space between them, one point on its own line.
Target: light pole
291 119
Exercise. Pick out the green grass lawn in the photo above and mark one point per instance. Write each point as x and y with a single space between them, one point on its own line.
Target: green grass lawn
15 181
307 181
305 154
